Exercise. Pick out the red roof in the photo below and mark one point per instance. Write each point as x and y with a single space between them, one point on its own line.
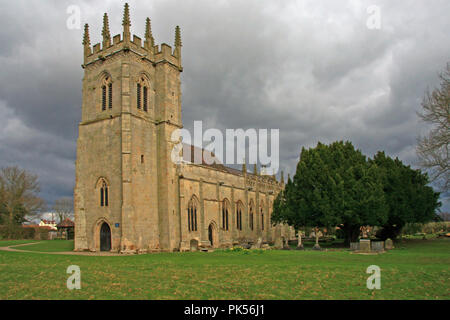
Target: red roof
35 226
67 223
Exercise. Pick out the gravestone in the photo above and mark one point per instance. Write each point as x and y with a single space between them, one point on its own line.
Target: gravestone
299 243
258 243
278 243
194 245
389 244
378 246
286 244
364 245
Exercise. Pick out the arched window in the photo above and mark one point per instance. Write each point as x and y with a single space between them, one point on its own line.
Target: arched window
104 197
110 95
138 95
262 219
142 90
145 107
251 220
239 216
107 92
103 98
192 215
225 215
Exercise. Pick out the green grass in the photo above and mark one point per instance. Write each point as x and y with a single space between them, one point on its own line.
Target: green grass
50 246
414 270
6 243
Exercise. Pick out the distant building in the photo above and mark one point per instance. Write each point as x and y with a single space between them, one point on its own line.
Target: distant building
48 223
66 229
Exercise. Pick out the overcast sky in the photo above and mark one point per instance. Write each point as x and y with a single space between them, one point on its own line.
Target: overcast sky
312 69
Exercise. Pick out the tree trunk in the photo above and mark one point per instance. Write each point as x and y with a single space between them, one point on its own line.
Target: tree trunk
351 234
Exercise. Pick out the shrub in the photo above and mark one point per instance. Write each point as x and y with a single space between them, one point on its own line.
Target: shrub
11 231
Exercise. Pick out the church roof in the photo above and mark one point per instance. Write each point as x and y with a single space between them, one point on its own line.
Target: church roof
208 155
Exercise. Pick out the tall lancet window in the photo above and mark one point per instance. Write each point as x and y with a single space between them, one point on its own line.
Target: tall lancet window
104 197
107 92
192 215
251 217
262 219
103 98
138 95
239 215
145 107
110 96
142 93
225 215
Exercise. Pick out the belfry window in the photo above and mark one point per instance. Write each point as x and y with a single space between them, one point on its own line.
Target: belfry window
104 98
107 93
110 96
138 97
104 199
145 99
142 91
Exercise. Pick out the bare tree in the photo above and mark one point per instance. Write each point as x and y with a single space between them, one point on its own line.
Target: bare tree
18 195
63 208
433 150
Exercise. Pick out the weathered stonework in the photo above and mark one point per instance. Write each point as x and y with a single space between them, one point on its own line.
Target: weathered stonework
128 149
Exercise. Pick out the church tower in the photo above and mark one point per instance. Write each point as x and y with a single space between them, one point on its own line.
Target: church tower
126 182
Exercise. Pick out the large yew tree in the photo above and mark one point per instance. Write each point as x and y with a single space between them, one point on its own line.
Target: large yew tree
408 196
333 185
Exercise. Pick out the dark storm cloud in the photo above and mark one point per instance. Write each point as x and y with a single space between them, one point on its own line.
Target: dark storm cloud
310 68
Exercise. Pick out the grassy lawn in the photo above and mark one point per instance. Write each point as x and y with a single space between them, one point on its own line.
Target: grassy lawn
6 243
50 246
414 270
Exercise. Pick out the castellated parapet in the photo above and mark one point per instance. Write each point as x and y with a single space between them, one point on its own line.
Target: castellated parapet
144 48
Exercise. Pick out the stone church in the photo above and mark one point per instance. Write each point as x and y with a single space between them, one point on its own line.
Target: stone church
129 195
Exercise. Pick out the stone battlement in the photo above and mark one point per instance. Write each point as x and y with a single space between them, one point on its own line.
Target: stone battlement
146 48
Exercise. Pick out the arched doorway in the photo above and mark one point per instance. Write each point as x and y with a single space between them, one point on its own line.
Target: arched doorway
105 237
210 234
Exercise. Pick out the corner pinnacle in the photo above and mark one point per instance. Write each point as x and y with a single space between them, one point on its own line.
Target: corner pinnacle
86 39
178 37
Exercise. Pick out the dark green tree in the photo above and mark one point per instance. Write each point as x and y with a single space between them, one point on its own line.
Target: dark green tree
408 197
333 185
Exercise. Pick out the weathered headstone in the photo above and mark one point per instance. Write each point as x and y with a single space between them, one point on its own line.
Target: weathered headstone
278 243
194 245
389 244
258 243
299 243
286 244
364 245
377 246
